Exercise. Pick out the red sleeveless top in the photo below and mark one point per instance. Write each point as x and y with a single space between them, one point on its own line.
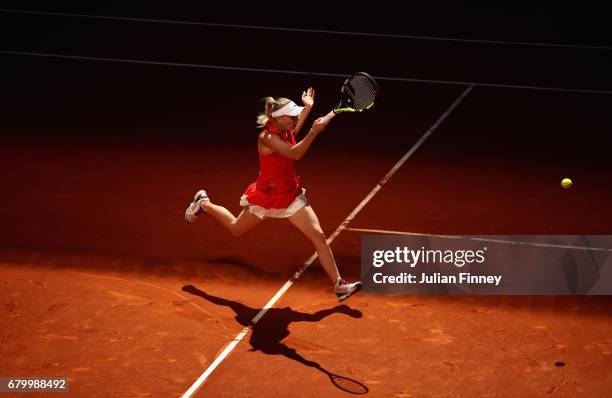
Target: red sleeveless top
277 185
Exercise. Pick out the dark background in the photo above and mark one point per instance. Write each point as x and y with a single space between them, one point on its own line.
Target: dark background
42 87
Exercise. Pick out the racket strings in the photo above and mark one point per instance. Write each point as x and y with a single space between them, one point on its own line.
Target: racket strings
361 91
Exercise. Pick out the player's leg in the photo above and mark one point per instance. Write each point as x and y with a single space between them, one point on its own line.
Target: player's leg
235 225
306 221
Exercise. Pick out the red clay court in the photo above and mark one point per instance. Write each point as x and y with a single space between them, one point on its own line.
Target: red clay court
103 282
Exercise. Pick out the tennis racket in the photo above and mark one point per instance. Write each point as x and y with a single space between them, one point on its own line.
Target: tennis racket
358 94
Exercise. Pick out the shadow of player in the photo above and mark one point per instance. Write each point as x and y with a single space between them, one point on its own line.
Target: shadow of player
269 331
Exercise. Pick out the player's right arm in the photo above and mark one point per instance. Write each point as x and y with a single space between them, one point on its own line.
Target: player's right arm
274 143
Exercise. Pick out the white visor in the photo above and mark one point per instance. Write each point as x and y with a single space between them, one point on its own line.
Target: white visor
291 109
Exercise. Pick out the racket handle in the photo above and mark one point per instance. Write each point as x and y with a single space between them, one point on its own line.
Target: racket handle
329 115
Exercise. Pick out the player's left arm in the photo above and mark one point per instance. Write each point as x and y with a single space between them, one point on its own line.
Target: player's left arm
308 101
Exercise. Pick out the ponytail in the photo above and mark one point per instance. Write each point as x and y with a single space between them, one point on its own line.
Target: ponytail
270 105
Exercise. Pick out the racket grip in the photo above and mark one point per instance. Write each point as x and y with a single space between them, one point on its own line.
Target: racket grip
329 116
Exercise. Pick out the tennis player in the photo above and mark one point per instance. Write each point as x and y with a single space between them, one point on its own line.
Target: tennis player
278 193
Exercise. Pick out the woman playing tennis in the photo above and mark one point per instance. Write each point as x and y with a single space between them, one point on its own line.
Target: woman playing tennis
277 192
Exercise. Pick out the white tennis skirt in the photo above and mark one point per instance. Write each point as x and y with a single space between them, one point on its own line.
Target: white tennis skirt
299 202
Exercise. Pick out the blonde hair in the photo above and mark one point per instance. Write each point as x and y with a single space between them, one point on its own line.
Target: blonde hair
270 106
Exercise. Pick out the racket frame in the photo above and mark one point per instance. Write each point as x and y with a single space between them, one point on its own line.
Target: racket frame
339 109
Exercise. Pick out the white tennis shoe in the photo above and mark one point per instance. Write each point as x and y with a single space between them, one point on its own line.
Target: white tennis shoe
194 209
343 289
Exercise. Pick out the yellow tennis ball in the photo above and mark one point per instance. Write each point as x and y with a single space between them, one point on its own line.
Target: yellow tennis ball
566 183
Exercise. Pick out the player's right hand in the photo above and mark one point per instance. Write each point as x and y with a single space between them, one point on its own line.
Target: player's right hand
321 123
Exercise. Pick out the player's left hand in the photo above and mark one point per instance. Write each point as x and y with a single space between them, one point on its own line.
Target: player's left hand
308 97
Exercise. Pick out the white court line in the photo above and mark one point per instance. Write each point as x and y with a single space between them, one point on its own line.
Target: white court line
509 242
198 383
318 31
299 72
